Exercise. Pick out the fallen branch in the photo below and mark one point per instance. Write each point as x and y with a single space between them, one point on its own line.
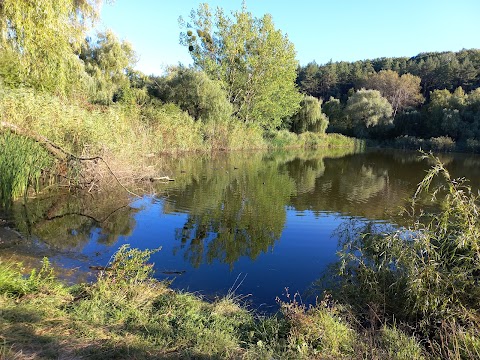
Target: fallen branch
57 151
166 178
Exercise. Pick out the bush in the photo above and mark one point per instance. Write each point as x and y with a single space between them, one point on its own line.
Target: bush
442 143
425 275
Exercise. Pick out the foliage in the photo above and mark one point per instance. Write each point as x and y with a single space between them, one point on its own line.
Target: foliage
405 82
437 144
333 108
107 61
204 99
437 70
424 275
127 314
22 164
456 114
14 285
367 108
318 330
42 39
309 117
401 91
255 62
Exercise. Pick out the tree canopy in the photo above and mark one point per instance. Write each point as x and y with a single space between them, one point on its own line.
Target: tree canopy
255 62
401 91
367 108
193 91
42 40
108 60
310 116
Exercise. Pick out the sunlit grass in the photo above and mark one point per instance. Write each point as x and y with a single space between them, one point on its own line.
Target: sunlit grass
126 314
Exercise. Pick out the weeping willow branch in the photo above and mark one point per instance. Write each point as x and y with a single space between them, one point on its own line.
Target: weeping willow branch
56 151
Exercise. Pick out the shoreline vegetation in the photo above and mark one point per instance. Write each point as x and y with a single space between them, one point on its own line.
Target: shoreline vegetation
410 293
126 314
124 136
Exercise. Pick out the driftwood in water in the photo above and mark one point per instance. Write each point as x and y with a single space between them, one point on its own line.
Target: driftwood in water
100 268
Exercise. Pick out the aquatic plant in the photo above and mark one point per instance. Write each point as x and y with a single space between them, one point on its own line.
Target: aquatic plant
22 162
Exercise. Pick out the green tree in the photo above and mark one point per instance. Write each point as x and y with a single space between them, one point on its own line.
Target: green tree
367 108
108 61
255 61
334 110
310 116
308 80
42 38
401 91
193 91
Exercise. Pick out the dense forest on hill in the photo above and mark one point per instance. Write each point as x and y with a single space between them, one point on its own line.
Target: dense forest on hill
431 95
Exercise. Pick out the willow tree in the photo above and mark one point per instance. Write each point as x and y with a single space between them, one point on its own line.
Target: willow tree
193 91
42 39
310 116
255 61
108 60
367 108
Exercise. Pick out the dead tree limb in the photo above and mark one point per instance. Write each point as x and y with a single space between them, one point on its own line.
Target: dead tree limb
56 151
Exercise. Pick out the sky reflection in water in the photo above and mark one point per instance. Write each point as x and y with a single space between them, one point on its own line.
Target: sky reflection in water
253 222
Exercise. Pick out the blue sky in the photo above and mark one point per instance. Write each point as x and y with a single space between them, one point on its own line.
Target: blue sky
321 30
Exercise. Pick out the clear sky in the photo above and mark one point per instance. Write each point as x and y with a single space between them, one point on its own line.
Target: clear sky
321 30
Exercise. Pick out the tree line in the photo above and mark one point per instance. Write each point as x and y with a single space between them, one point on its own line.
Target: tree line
244 72
429 95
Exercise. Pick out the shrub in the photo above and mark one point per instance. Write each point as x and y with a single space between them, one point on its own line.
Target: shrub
424 275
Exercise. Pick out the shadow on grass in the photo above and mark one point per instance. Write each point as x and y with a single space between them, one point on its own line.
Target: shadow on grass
22 335
28 334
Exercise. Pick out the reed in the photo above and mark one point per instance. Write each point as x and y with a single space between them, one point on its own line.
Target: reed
22 163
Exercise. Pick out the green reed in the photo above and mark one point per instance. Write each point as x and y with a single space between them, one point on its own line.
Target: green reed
22 162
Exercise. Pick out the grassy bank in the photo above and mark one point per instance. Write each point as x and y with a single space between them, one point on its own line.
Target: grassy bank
125 135
126 314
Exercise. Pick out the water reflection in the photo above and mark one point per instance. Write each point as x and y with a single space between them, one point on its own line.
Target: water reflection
67 221
271 215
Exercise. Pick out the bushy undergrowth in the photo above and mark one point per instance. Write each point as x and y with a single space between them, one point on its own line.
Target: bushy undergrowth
425 276
287 139
438 144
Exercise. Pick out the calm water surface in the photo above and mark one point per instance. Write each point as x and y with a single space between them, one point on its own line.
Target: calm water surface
252 222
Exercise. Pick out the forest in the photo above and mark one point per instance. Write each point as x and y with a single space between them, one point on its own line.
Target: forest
402 101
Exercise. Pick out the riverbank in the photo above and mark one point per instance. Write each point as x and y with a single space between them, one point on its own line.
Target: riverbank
126 314
91 142
437 144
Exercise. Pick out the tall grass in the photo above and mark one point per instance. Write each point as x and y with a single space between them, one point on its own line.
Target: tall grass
124 133
425 276
21 164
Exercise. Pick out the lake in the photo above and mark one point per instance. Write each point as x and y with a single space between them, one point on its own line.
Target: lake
252 223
